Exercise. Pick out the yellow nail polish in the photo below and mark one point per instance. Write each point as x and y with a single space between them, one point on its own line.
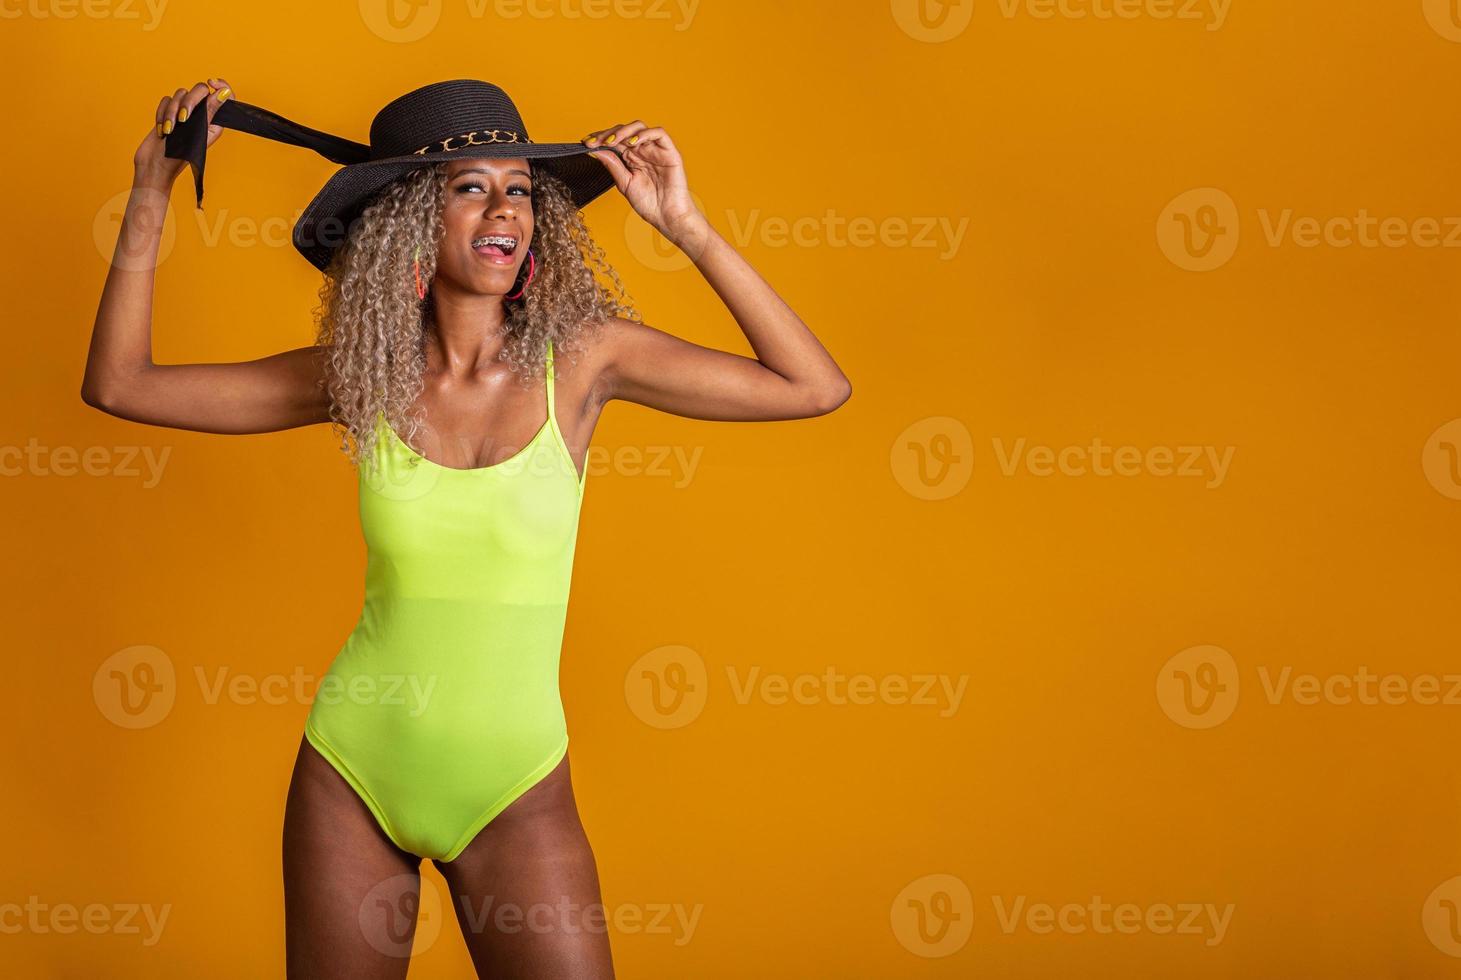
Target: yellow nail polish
183 114
159 129
611 139
632 140
223 93
167 126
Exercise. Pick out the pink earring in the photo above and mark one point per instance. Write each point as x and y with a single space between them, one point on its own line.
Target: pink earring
420 286
532 271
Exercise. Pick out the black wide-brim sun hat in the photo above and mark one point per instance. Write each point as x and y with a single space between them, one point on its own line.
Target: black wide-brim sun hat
436 123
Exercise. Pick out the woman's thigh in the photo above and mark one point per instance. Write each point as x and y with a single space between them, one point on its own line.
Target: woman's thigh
526 890
350 895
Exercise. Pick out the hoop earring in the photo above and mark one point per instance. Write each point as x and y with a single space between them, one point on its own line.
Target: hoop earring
532 271
420 286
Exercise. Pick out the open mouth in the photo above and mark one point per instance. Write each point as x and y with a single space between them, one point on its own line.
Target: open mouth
495 246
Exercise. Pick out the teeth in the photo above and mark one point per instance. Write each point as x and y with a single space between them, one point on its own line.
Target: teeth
506 241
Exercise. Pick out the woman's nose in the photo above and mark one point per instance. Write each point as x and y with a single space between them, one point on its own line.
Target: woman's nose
501 204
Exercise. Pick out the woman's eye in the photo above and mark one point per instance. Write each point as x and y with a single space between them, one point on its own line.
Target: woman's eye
520 188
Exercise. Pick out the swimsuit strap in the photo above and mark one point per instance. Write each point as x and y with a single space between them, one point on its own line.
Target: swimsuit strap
552 415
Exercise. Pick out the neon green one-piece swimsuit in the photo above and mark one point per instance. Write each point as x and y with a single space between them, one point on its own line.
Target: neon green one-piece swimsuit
443 705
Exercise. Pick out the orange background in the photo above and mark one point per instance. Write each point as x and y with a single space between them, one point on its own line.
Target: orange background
1083 760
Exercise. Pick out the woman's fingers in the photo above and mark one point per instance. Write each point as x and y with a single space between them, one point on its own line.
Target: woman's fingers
614 166
618 137
191 98
170 112
176 108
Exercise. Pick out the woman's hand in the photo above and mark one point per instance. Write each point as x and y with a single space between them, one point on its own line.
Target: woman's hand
647 169
149 163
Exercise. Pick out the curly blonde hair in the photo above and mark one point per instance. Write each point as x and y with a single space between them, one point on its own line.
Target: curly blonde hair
372 325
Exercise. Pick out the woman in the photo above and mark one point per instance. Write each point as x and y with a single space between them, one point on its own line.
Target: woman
454 266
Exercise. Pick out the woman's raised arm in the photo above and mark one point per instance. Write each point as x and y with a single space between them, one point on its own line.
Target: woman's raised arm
280 391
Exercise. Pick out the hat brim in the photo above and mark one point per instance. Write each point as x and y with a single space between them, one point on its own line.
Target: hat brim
325 223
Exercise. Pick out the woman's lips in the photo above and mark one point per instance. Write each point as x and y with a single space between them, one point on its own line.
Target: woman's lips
493 254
